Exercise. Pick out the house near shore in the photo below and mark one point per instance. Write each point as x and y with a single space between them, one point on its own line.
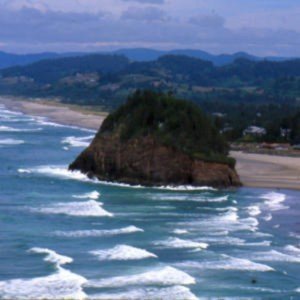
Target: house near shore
255 131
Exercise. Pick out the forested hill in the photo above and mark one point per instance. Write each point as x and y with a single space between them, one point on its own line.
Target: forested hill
52 70
133 54
106 80
244 93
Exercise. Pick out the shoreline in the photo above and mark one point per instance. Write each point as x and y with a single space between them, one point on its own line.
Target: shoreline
55 111
255 170
268 171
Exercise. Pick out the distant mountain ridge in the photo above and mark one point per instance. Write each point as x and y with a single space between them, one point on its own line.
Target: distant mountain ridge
134 54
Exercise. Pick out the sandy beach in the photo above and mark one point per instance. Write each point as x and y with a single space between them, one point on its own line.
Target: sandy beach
269 171
255 170
56 112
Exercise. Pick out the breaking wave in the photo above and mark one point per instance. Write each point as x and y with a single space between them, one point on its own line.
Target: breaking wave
123 252
12 129
89 208
63 284
276 256
98 233
7 142
63 173
78 141
227 263
163 276
181 244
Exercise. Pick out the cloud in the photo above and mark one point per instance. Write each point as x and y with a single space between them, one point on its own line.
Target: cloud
145 14
210 21
147 1
33 29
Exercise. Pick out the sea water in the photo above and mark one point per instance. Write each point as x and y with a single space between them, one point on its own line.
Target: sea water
64 236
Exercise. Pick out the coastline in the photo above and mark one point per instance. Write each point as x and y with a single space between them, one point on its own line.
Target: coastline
255 170
55 111
268 171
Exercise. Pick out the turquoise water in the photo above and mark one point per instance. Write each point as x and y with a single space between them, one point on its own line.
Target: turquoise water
64 236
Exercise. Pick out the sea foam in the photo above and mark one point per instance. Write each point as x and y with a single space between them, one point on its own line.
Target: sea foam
12 129
89 208
163 276
92 195
177 243
7 142
274 200
63 284
62 172
98 233
45 122
276 256
227 263
187 197
78 141
52 256
123 252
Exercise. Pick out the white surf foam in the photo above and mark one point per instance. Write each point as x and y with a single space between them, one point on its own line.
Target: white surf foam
26 171
185 198
89 208
8 142
63 284
268 217
123 252
177 243
295 235
276 256
45 122
78 141
12 129
63 173
274 200
292 249
163 276
254 210
92 195
177 292
60 172
98 233
227 263
223 240
10 112
52 256
180 231
228 221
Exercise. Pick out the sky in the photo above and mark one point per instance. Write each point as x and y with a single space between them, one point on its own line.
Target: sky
260 27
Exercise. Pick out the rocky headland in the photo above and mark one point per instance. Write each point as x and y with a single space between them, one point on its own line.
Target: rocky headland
156 140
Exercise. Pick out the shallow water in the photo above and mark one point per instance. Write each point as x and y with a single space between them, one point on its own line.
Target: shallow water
65 236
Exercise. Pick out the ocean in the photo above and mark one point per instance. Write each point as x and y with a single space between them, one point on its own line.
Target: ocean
63 235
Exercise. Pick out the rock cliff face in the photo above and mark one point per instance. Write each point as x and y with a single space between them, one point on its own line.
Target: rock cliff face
143 161
145 158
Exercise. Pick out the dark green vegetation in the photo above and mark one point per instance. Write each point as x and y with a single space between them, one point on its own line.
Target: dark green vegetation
243 93
136 54
176 123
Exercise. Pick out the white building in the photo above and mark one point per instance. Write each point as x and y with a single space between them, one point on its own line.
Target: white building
255 130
